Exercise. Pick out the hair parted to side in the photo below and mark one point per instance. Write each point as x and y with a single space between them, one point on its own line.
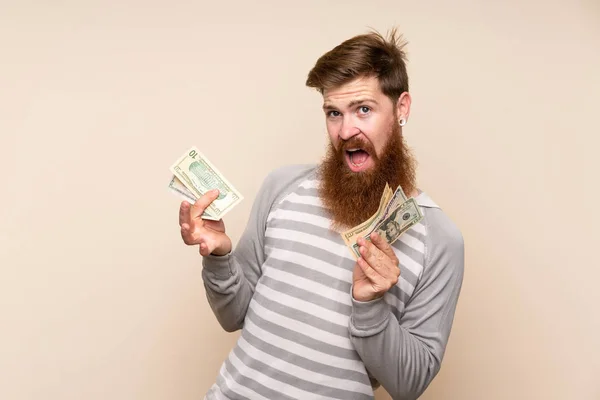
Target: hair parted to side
365 55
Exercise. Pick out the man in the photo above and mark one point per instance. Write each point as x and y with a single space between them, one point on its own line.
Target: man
316 324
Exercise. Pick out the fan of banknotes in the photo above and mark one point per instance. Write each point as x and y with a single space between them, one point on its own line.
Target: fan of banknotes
194 175
396 214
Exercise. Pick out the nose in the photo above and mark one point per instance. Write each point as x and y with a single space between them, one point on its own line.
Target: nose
348 130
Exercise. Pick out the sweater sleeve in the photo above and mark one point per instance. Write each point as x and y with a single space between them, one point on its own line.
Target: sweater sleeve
229 280
405 355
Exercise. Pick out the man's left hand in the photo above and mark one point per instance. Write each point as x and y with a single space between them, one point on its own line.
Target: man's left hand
376 271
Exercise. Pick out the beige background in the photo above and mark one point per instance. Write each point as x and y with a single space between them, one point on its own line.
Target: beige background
99 299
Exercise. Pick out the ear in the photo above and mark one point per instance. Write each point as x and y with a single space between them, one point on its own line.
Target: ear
403 106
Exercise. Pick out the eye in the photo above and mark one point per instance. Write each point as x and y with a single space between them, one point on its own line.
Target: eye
364 110
333 113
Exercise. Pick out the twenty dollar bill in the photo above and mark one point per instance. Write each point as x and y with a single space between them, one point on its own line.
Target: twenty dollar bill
351 235
395 215
399 221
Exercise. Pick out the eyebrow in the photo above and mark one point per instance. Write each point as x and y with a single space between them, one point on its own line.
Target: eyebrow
355 102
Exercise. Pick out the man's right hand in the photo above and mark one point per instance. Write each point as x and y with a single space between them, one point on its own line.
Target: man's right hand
210 235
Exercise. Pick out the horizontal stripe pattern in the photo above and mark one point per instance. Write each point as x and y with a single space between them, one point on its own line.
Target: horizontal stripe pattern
293 261
298 376
297 319
299 344
320 284
321 296
295 341
303 361
301 212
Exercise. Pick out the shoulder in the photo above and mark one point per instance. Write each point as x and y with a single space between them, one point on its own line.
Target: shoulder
444 240
289 174
282 180
442 231
276 184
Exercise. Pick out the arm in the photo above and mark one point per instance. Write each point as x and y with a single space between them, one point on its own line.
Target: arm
229 280
405 356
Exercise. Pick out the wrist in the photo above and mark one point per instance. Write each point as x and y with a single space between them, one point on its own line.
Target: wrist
365 298
221 251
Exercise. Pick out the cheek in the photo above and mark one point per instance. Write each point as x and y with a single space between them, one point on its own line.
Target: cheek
378 135
376 141
332 132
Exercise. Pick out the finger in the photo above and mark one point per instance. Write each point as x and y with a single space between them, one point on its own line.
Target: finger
208 244
384 246
375 278
184 213
371 255
205 248
379 261
203 202
188 235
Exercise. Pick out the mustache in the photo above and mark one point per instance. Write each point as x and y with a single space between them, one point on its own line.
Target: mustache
356 143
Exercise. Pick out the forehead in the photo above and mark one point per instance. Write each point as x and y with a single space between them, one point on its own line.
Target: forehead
364 88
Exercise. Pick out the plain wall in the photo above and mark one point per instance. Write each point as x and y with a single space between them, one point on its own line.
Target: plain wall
100 299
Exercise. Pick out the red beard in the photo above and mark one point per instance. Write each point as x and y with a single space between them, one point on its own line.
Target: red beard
352 197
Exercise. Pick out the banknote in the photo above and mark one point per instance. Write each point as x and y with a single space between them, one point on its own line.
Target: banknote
176 186
399 221
198 175
398 198
179 188
351 235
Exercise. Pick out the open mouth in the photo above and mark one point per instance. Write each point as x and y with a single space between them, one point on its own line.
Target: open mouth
357 159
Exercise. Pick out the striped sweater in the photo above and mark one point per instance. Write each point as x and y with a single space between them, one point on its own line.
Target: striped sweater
288 287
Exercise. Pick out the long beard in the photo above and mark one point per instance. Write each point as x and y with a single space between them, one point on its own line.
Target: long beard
352 197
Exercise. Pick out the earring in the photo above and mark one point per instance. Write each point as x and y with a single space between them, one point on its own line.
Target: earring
402 121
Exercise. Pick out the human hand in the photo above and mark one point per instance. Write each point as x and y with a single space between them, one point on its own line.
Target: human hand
376 271
210 235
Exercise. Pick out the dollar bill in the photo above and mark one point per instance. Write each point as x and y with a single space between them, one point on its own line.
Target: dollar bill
179 188
398 198
176 186
351 236
199 176
399 221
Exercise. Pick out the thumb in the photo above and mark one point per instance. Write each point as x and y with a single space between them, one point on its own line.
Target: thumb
203 202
